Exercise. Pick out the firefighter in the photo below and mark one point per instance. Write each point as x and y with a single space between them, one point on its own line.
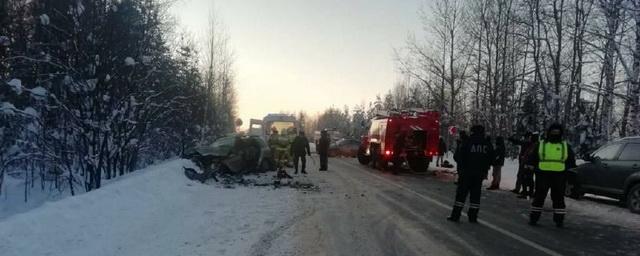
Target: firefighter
300 148
476 155
279 146
323 149
287 139
551 159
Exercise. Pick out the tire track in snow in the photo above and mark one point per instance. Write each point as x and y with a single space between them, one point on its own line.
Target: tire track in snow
264 244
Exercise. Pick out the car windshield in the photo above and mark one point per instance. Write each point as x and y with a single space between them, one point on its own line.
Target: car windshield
284 128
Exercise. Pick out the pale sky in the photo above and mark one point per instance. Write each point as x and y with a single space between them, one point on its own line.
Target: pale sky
307 55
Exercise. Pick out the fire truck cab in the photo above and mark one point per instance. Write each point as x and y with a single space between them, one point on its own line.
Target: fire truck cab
409 136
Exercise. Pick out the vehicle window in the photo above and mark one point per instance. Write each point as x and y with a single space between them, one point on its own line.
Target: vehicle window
608 152
631 152
283 127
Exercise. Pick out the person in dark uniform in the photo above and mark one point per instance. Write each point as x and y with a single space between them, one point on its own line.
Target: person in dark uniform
442 150
524 178
461 138
497 164
523 149
323 149
299 150
528 182
551 159
476 155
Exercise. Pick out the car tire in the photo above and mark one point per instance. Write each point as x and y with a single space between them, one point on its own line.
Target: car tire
383 165
418 164
362 158
633 199
573 191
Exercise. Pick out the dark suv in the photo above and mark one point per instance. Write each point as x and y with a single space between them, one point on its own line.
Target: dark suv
613 170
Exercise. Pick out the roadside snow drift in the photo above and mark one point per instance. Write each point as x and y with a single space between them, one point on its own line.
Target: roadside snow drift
155 211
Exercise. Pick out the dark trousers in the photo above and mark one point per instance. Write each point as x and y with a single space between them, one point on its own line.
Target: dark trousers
397 164
324 159
296 159
528 184
469 185
519 178
554 181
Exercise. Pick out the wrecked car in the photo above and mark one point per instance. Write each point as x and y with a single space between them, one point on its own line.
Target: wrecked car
235 154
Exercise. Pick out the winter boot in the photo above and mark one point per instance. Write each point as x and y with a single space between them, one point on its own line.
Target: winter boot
559 220
473 215
455 214
534 217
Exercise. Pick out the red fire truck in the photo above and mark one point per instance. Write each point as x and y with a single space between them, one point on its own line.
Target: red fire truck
409 136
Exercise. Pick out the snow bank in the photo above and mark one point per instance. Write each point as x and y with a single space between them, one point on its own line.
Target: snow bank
12 196
155 211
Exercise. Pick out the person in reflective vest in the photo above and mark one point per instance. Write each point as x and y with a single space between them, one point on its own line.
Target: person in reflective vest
551 159
280 148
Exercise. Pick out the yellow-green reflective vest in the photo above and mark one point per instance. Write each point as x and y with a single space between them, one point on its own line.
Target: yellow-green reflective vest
552 156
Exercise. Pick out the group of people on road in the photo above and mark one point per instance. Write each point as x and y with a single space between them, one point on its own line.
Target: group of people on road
547 159
298 149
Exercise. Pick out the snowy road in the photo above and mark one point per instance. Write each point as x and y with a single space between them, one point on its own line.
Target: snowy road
356 211
361 211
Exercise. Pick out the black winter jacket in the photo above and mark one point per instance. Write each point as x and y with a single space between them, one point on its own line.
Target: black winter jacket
300 146
323 145
476 156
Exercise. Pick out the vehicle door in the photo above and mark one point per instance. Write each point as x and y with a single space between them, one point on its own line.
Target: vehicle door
626 164
592 173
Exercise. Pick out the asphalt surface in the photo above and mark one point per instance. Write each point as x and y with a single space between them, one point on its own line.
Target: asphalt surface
362 211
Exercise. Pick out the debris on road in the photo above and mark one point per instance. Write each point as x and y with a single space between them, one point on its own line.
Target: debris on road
231 180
